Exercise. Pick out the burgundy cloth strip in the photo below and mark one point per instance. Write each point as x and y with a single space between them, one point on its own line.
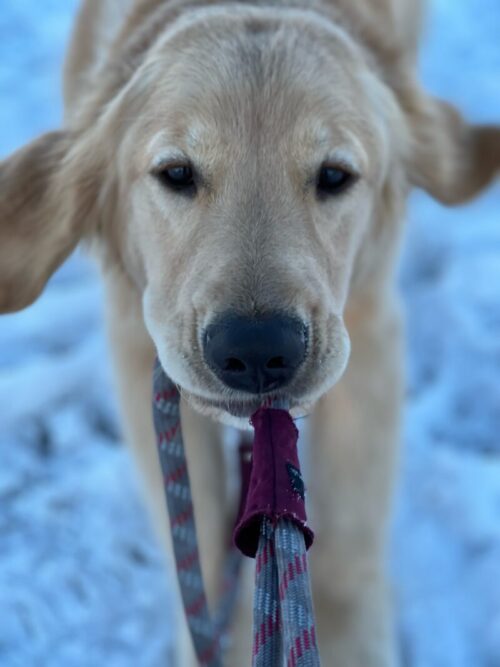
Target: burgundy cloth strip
276 490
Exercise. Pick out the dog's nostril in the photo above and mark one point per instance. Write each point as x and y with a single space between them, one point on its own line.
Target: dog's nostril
234 365
276 363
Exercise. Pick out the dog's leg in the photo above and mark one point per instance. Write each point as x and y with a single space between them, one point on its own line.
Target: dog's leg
240 651
134 356
353 452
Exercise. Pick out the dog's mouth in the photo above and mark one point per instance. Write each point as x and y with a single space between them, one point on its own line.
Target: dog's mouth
238 411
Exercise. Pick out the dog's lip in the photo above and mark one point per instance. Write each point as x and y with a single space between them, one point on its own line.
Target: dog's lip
236 407
243 407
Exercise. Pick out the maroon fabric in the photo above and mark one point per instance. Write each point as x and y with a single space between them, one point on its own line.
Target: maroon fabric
276 489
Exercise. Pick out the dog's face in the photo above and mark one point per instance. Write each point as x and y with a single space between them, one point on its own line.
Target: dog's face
255 170
241 180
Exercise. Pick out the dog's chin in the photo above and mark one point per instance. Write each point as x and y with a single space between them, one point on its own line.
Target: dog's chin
238 413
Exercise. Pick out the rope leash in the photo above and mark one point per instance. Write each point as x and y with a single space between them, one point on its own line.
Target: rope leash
271 526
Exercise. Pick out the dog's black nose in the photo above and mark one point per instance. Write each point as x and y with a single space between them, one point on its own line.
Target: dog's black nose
255 355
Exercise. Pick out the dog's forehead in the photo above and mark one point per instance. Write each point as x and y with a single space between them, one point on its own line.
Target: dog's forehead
226 97
290 103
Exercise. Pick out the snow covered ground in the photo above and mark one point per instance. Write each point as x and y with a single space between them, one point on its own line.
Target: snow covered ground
81 578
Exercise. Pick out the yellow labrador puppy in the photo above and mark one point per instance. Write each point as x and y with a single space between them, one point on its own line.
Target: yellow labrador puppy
241 171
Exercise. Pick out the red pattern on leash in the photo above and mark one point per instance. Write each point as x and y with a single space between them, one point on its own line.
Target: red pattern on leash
295 569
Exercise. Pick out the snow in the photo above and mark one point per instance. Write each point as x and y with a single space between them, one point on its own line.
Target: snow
82 580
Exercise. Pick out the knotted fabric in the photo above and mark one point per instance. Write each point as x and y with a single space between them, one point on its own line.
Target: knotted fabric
271 526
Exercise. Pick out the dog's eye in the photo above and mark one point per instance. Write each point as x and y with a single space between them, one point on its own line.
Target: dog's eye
178 177
333 180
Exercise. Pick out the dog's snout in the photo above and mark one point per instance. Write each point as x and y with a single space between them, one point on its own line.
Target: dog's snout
255 355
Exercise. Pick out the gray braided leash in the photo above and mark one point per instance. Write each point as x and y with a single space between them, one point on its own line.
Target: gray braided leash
283 612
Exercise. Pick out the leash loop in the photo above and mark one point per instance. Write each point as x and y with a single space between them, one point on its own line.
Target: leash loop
271 526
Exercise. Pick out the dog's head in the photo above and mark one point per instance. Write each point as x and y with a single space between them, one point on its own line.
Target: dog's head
249 178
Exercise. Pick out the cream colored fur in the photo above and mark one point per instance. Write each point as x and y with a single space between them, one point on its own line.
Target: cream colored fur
258 95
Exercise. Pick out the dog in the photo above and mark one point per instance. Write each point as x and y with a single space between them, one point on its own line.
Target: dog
240 170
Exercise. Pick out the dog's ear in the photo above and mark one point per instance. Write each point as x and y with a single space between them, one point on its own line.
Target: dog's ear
449 158
46 196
